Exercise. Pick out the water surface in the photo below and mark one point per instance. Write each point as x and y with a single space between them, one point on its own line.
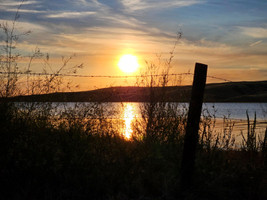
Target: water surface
128 112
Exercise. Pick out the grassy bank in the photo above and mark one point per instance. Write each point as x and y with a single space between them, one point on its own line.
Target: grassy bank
78 159
246 91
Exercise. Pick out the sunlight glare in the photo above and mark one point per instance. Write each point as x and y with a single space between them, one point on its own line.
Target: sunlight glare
128 118
128 63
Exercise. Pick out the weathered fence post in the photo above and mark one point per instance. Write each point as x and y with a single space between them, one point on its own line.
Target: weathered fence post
191 135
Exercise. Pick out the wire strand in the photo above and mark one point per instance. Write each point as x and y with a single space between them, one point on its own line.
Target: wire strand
108 76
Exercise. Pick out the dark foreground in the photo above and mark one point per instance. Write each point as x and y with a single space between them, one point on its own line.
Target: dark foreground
88 160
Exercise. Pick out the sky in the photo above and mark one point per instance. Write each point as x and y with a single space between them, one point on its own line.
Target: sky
229 36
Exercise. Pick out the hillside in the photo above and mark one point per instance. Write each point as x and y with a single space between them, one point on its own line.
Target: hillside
217 92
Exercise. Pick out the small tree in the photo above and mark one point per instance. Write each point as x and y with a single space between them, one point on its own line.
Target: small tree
9 57
10 68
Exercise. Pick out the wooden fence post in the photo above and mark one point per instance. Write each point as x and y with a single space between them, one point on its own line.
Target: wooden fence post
191 135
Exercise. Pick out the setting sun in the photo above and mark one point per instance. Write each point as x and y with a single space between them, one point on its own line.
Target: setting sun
128 63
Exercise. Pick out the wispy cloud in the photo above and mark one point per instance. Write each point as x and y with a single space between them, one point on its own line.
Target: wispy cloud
17 3
70 14
25 10
134 5
255 32
34 27
255 43
12 6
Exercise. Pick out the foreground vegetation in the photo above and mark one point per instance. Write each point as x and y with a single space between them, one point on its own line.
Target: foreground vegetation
48 156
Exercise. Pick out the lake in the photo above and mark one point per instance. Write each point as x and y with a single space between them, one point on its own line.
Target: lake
236 112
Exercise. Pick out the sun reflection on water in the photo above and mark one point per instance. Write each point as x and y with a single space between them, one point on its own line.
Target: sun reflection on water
128 116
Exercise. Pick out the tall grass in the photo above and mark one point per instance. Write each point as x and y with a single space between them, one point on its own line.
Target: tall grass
82 155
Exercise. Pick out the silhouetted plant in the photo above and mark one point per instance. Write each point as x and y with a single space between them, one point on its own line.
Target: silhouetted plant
9 57
249 142
11 68
161 121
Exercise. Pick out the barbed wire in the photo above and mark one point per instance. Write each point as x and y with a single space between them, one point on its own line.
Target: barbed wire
222 79
108 76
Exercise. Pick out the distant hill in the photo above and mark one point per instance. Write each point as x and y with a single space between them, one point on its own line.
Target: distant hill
216 92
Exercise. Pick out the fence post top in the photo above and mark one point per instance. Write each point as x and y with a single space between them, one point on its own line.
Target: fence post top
201 64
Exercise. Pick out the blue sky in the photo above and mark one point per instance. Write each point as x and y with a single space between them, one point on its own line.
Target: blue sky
230 36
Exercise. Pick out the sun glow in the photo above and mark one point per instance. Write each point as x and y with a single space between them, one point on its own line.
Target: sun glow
128 63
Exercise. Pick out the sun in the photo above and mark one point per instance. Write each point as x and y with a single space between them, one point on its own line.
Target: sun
128 63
